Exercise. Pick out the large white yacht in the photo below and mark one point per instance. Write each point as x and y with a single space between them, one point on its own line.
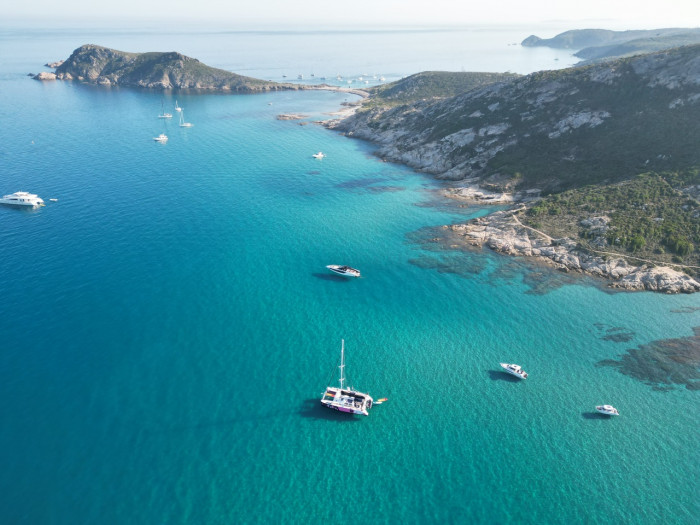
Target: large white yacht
161 138
346 399
22 198
514 370
347 271
608 410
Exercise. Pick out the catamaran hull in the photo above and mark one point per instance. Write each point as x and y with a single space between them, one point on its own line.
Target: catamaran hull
347 410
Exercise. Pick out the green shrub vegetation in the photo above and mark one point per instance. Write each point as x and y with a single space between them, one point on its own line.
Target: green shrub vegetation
650 216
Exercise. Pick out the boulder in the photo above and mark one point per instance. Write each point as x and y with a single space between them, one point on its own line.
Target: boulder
44 75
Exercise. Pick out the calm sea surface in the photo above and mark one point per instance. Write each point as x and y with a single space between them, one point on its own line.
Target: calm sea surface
168 325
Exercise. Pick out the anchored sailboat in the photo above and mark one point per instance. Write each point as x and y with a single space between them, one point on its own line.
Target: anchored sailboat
346 399
163 114
184 124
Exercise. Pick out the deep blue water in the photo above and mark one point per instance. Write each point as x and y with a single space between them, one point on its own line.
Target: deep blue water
169 326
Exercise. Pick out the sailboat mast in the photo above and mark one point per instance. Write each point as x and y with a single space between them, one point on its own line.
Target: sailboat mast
342 363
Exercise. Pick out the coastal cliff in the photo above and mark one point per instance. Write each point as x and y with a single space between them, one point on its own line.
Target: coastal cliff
616 139
108 67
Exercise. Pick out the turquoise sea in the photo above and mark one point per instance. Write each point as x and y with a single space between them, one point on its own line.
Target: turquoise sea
168 325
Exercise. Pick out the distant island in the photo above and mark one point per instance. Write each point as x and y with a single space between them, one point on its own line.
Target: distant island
599 163
597 44
108 67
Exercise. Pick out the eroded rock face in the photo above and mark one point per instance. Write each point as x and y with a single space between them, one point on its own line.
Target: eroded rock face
658 279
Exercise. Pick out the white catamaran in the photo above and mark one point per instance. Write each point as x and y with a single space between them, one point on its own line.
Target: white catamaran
346 399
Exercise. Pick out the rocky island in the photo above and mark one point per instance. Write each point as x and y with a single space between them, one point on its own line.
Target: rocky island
108 67
601 162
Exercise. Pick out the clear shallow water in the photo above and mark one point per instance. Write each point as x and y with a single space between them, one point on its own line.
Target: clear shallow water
169 327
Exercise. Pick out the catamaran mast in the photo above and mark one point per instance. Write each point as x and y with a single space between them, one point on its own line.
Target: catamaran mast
342 364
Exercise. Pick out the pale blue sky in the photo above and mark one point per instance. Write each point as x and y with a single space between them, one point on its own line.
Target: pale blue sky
615 14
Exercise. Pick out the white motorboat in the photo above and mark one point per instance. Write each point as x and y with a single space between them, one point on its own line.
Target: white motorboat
22 198
347 271
515 370
608 410
318 155
346 399
161 138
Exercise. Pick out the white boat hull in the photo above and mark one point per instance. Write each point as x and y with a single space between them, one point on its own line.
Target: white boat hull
348 401
607 410
345 271
22 199
514 370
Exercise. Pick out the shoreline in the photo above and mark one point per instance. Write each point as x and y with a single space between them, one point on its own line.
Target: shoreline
502 232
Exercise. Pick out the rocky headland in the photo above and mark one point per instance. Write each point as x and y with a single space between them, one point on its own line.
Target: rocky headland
615 140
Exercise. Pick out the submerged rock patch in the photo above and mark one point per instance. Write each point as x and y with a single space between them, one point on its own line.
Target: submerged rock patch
664 364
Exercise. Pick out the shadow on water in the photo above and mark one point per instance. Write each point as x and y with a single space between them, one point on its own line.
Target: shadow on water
497 375
331 277
312 408
594 415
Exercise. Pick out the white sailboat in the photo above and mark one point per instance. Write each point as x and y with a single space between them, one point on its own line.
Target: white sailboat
177 108
346 399
163 114
184 124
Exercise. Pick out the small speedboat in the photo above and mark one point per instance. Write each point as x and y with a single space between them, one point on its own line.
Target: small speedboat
608 410
318 155
161 138
347 271
22 198
514 370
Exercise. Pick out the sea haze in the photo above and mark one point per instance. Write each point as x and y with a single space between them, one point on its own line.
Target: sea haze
169 325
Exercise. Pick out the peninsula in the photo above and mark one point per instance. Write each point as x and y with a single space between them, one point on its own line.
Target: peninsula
598 44
600 162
